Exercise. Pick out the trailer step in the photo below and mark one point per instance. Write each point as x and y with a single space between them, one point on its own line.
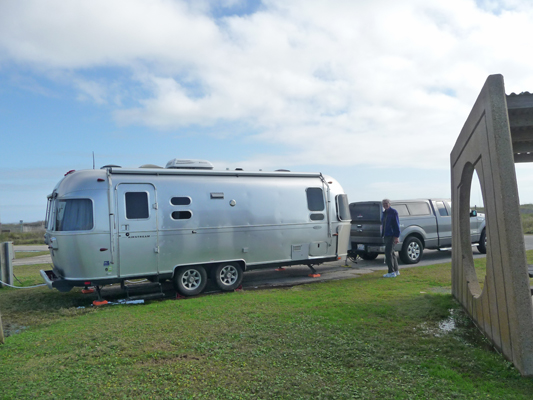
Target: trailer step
144 290
147 296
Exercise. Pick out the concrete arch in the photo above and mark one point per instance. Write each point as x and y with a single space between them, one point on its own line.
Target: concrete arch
503 309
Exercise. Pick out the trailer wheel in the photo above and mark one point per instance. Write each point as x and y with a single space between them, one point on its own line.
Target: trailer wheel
412 249
228 276
190 281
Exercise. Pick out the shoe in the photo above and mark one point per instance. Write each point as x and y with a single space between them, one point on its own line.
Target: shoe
390 275
397 273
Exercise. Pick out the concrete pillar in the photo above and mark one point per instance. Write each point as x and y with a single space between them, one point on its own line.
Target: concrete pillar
6 263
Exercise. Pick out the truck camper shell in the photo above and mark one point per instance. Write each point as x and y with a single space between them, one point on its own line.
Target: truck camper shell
188 222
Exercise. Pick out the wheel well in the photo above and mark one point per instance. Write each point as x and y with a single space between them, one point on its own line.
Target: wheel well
416 235
209 266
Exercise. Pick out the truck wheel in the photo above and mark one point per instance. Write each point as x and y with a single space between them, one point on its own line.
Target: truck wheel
190 281
228 276
412 249
365 255
482 246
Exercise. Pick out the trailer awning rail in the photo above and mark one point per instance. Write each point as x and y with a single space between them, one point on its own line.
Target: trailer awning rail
162 171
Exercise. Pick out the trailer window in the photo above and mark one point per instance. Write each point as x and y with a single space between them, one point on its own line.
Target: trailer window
181 215
48 218
180 201
74 215
343 208
137 205
317 217
315 199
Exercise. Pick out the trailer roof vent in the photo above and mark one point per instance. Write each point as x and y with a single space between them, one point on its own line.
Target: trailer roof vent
189 164
150 166
110 166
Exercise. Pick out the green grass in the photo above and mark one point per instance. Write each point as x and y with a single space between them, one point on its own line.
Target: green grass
369 338
527 223
26 254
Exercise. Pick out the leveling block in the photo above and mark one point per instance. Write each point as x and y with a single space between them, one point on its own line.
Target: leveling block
313 273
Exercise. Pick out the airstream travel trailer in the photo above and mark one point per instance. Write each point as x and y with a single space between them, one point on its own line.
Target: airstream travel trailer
188 222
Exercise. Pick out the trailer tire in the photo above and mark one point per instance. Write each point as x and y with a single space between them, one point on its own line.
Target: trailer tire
412 249
366 255
228 276
482 246
191 280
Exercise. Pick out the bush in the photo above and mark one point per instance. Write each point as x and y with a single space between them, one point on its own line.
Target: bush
36 237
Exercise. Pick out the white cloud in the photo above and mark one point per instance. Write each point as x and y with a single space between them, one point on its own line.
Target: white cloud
337 82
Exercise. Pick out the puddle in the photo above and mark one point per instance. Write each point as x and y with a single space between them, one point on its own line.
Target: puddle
447 326
443 328
13 329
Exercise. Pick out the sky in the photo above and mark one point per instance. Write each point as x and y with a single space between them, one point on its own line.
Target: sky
372 93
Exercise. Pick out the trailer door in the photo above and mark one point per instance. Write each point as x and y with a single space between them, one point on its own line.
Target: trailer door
137 229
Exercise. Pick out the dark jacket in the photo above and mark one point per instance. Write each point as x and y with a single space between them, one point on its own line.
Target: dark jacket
390 223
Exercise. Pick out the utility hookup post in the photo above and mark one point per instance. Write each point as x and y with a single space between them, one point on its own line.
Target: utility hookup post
6 263
6 273
21 226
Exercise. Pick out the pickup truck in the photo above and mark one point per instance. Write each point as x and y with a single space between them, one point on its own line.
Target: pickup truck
424 224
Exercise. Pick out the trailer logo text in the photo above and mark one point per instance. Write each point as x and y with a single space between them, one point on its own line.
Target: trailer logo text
137 236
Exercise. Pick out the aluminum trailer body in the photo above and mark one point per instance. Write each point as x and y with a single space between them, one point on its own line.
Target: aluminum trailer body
115 224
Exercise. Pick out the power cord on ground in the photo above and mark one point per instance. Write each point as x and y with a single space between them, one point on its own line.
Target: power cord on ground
22 287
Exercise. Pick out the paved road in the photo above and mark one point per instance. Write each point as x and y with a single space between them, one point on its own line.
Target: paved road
297 275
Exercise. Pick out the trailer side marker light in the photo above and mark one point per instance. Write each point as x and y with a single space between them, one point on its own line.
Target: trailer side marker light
87 283
97 303
314 275
100 180
280 269
338 258
103 249
87 291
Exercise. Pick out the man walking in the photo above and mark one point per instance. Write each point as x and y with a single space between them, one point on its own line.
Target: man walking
390 230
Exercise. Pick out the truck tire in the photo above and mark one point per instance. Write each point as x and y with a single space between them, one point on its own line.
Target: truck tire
228 276
482 246
412 249
191 280
365 255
